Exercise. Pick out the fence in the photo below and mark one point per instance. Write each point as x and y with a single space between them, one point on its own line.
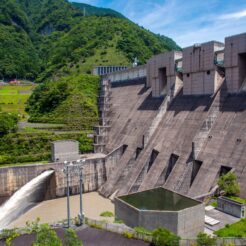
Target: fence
119 228
129 232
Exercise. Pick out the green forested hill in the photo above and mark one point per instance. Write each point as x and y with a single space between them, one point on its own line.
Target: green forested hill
56 43
89 10
48 38
72 100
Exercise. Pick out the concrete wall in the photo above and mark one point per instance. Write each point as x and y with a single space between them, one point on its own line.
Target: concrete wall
154 219
231 207
191 221
234 47
134 73
155 80
199 71
12 178
127 213
95 173
185 223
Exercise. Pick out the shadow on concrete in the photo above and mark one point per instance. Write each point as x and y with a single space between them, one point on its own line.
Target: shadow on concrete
151 103
190 103
143 90
234 103
128 82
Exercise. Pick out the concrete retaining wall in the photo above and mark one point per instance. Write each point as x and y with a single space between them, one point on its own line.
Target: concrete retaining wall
95 173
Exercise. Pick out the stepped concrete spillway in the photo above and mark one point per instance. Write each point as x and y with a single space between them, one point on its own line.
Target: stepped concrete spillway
193 133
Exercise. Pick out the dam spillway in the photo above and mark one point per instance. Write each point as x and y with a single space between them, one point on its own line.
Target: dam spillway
24 198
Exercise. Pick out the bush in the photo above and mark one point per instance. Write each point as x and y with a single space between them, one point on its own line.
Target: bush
106 214
204 239
118 221
71 238
228 183
9 235
127 234
163 237
8 123
46 237
142 230
96 226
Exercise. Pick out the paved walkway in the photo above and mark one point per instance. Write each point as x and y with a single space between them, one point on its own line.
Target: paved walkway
223 219
89 237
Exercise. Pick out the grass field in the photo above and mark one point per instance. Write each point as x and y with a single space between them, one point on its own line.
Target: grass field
237 229
13 99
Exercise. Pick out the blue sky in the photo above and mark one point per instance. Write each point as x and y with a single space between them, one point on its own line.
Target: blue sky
186 21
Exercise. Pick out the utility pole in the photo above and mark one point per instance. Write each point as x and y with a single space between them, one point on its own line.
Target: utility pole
77 169
81 215
66 171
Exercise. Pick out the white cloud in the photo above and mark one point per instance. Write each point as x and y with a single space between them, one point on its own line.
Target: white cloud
235 15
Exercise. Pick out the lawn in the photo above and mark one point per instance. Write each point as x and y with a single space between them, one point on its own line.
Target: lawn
237 229
13 99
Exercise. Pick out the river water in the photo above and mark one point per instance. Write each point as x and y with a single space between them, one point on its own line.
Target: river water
52 211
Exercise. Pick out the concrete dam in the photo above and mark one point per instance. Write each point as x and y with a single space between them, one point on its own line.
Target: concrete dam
178 122
182 126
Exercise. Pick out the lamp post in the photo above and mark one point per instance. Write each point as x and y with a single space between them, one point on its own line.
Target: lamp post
77 169
81 215
66 171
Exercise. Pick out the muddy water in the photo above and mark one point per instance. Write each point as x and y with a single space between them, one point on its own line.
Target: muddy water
56 210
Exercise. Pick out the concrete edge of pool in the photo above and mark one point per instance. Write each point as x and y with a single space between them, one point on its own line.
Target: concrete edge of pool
186 220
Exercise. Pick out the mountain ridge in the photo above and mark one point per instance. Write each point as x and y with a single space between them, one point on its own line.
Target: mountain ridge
33 29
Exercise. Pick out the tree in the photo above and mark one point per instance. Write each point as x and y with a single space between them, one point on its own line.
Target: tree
45 236
71 238
204 239
163 237
8 123
228 183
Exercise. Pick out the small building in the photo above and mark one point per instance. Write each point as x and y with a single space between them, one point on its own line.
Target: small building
160 207
231 207
14 82
65 150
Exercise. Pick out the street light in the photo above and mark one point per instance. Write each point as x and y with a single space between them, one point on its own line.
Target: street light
77 169
81 215
66 171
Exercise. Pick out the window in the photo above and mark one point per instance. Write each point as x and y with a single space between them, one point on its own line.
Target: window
208 72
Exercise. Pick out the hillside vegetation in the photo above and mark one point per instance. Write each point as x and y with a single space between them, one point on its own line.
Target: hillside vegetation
89 10
56 43
54 38
72 100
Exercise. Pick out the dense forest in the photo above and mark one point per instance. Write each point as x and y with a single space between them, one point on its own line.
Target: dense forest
56 44
40 39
